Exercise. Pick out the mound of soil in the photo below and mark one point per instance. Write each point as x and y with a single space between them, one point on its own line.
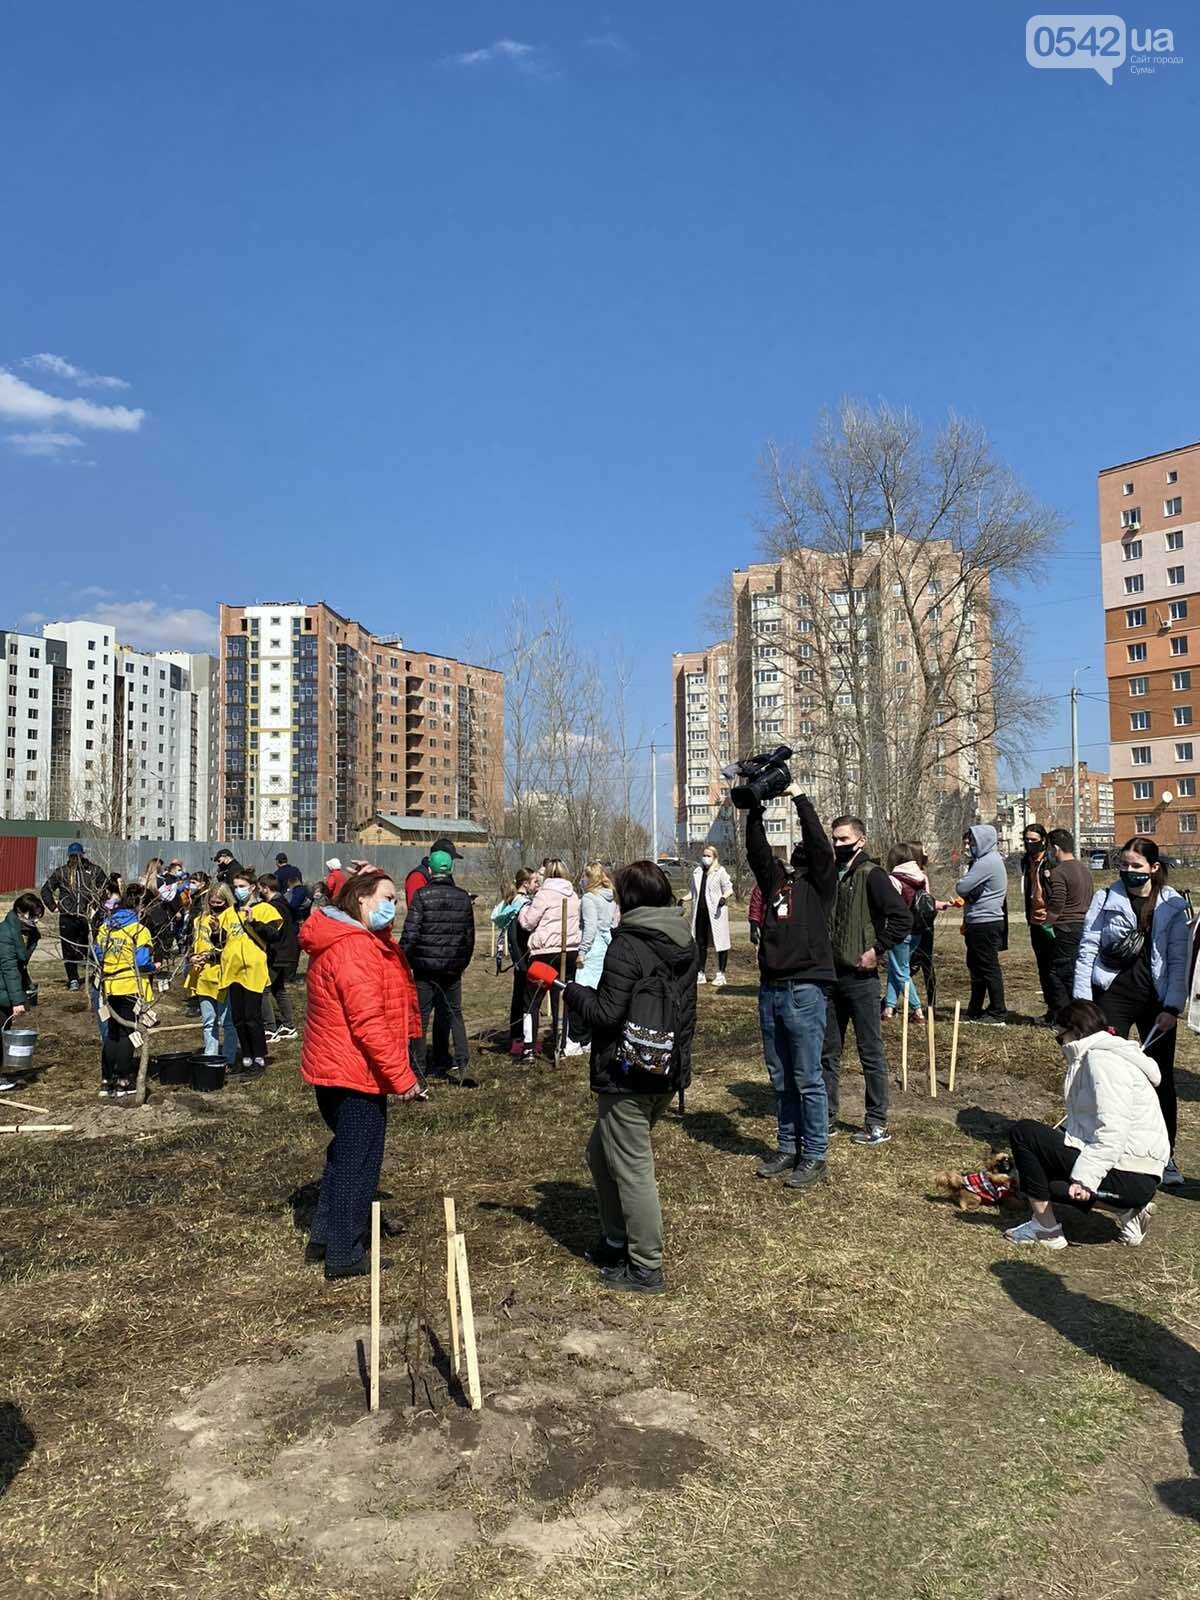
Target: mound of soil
571 1444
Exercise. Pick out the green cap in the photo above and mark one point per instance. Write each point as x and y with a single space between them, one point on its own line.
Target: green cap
440 864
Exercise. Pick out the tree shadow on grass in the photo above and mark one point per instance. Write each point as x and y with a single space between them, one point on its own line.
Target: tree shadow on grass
566 1211
17 1440
720 1131
1187 1085
1129 1343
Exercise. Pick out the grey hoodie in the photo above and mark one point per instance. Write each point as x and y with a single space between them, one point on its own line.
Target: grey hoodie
984 886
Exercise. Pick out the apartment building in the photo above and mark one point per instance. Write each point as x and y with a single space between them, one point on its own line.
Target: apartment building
156 792
705 722
37 746
201 673
1149 513
88 786
323 724
1051 802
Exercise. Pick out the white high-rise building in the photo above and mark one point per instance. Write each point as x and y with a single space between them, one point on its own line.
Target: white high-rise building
91 661
35 729
156 743
201 672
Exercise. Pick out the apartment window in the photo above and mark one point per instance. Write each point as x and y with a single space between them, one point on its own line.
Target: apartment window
1140 754
1139 686
1187 788
1178 611
1134 583
1143 789
1131 518
1173 507
1143 824
1183 716
1133 550
1183 752
1187 822
1175 575
1136 652
1136 617
1179 646
1175 540
1139 721
1181 680
1126 488
1172 476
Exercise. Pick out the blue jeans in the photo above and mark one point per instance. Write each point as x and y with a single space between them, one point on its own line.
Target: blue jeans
792 1019
215 1018
899 960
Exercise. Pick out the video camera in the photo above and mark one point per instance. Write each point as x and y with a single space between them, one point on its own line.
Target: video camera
763 777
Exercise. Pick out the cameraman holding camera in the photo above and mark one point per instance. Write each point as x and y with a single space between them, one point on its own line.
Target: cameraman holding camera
795 962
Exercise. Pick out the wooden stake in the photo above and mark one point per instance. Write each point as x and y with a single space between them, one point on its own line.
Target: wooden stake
451 1277
954 1044
474 1394
22 1105
904 1040
139 1093
37 1127
932 1054
560 1031
374 1305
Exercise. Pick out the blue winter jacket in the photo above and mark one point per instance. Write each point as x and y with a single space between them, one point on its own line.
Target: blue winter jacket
1110 915
984 886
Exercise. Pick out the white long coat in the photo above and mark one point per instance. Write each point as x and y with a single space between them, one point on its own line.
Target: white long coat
718 888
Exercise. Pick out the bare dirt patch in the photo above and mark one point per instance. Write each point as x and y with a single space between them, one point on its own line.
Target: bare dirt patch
162 1113
571 1444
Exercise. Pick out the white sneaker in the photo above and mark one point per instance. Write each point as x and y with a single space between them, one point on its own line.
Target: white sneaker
1032 1232
272 1037
6 1084
719 981
700 978
1132 1225
574 1048
1172 1178
287 1033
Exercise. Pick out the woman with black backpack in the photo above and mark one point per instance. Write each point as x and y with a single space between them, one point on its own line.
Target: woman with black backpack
642 1017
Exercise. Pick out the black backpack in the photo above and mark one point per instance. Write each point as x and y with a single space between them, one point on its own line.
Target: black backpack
646 1053
924 911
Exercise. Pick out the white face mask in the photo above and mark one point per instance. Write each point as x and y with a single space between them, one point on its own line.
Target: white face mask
707 860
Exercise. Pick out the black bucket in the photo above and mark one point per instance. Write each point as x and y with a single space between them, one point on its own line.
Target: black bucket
175 1067
208 1072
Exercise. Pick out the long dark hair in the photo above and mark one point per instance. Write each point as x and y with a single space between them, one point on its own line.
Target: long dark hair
1149 851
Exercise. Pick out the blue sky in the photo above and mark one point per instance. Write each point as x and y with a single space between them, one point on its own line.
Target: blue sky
419 308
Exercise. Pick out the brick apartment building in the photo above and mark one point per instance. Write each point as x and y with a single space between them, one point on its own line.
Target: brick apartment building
1150 576
1051 802
323 724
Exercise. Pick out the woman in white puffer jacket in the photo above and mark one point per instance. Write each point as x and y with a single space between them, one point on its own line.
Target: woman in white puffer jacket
1113 1145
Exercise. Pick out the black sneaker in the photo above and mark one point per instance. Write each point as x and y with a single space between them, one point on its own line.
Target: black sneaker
635 1279
73 986
248 1073
805 1173
775 1166
873 1133
357 1269
607 1256
313 1253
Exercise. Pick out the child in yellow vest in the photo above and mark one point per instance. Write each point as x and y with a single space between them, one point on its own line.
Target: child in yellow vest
244 972
124 953
212 926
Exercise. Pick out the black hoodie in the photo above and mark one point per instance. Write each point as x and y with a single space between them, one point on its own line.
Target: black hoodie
794 948
645 936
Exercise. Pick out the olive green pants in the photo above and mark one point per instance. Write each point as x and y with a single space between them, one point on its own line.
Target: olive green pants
621 1158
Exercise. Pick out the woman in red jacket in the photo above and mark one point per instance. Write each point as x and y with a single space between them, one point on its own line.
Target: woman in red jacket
362 1013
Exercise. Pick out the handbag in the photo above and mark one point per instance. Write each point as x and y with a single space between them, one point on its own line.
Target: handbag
1123 950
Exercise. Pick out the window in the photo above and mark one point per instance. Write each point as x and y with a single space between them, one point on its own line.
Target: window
1175 575
1179 647
1175 540
1132 518
1136 652
1139 686
1181 680
1187 822
1143 789
1136 618
1143 824
1126 488
1173 507
1183 716
1134 583
1178 611
1183 752
1139 721
1187 789
1133 550
1140 754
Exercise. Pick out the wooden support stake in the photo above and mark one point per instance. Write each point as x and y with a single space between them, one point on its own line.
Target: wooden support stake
139 1093
374 1305
954 1044
904 1040
474 1393
932 1054
37 1127
451 1277
560 1032
22 1105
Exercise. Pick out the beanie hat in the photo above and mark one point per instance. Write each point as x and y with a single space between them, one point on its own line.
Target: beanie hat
333 864
75 849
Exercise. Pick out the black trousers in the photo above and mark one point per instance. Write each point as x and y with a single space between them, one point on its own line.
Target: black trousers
1062 964
116 1053
1045 1161
277 1002
1122 1014
516 1007
984 941
74 935
920 965
246 1006
1042 940
534 994
703 940
441 996
353 1163
854 998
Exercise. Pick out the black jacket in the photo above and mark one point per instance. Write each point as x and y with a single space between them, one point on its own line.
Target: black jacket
284 955
795 947
17 944
159 920
605 1008
439 930
75 894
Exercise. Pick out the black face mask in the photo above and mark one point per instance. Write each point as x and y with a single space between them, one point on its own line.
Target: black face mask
842 853
1135 880
1034 847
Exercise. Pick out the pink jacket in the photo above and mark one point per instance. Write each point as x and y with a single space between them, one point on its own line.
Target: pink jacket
542 918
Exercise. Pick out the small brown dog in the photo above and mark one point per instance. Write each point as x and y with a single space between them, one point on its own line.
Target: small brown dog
995 1185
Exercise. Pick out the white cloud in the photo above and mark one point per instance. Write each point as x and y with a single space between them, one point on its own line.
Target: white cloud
43 444
530 59
21 402
59 367
151 626
607 41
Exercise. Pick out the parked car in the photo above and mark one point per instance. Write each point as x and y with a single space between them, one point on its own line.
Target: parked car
1097 860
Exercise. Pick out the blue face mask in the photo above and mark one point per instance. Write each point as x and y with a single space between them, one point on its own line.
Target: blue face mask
242 893
383 915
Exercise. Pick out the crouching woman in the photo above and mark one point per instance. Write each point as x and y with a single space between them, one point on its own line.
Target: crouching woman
362 1016
652 958
1113 1144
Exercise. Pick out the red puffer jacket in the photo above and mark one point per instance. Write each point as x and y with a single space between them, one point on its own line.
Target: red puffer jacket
362 1007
